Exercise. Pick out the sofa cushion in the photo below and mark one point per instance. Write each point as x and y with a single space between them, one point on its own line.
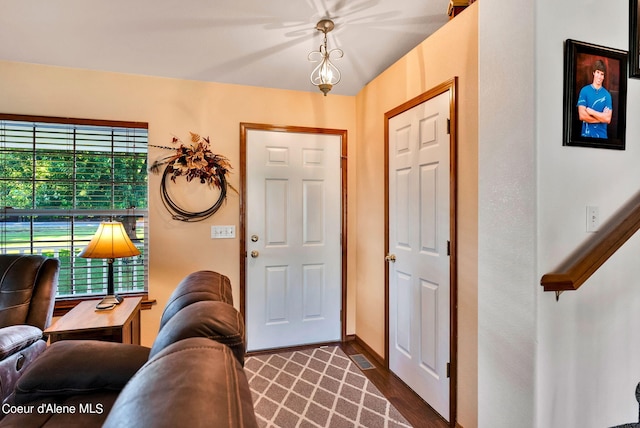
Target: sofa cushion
21 277
72 367
217 321
16 338
196 287
195 382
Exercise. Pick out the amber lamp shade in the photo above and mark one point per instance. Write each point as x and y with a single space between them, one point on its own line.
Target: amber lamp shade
110 242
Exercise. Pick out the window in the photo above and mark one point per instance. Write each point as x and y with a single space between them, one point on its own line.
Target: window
59 178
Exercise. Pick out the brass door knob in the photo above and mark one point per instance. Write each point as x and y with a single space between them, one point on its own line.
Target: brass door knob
254 254
390 258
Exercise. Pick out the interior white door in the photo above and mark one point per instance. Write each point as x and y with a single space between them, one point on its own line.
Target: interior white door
419 234
294 261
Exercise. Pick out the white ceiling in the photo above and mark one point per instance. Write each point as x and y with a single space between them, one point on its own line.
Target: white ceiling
248 42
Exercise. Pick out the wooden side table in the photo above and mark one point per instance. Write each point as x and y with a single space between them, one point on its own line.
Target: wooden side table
120 324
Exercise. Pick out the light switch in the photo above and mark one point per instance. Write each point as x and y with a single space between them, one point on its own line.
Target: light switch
223 232
593 219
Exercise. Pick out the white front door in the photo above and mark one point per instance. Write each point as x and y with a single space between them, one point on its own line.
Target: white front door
293 242
419 234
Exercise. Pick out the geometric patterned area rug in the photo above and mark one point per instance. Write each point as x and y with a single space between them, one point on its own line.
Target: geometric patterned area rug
319 387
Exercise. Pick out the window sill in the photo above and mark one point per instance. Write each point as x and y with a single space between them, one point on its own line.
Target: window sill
64 305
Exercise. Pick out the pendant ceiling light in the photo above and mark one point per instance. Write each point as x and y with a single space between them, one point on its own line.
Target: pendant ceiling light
325 75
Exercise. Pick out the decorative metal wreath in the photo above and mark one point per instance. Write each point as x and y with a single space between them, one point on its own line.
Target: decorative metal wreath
193 161
181 214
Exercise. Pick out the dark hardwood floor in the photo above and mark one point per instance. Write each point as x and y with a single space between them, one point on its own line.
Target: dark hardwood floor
412 407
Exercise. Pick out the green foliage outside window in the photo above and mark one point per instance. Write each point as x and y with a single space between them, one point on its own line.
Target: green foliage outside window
59 180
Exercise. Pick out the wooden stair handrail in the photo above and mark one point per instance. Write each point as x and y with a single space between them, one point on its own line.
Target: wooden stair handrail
592 254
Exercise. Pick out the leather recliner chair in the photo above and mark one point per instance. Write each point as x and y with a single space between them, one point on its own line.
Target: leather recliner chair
28 286
193 374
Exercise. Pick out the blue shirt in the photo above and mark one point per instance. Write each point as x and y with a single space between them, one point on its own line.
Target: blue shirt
597 99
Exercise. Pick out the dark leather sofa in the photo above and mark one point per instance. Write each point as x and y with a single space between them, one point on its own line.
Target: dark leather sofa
28 286
192 376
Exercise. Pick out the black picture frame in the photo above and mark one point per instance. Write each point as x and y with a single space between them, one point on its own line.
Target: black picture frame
634 39
578 73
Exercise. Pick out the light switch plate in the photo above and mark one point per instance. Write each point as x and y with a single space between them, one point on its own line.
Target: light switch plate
223 232
593 219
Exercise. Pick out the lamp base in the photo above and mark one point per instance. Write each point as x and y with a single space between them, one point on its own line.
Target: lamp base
109 302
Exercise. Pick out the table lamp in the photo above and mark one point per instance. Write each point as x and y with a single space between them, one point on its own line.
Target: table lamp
110 242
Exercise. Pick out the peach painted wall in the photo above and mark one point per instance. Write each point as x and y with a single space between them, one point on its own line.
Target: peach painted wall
175 107
452 51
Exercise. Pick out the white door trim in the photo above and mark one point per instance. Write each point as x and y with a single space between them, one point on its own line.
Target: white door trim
244 128
450 85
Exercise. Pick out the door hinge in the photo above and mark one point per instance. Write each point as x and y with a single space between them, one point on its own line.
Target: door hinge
448 248
448 370
448 126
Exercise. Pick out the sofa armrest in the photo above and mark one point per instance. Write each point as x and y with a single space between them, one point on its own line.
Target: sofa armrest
72 367
16 338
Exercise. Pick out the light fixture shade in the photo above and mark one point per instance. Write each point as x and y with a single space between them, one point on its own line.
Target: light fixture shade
110 242
326 74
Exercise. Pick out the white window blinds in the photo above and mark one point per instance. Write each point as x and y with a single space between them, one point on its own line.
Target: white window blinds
59 178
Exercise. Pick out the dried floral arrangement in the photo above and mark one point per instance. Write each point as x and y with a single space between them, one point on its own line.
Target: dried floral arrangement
193 161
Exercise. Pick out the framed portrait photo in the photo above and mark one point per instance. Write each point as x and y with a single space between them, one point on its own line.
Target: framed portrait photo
595 96
634 39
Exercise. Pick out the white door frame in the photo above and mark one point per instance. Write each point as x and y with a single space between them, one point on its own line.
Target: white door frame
244 127
450 85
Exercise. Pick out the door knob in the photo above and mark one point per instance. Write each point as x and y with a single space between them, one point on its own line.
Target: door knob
390 258
254 254
254 238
